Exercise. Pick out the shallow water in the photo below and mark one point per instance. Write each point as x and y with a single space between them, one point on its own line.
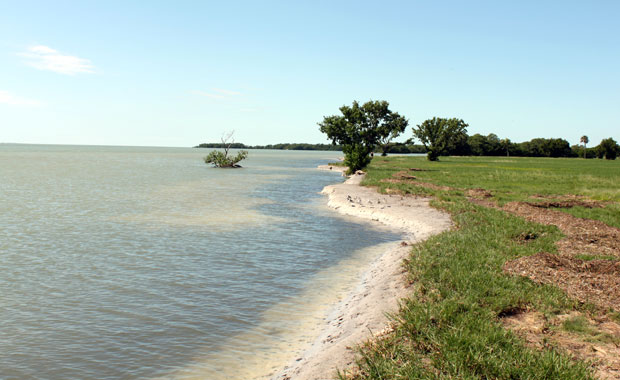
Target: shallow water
123 262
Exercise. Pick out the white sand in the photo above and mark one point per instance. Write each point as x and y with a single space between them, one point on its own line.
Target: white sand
362 313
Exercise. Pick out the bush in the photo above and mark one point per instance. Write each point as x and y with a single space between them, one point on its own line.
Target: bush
608 148
221 159
356 157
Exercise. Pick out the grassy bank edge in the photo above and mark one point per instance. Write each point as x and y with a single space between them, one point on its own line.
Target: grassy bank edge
451 326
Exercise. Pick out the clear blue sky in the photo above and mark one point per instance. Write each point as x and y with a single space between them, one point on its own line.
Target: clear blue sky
178 73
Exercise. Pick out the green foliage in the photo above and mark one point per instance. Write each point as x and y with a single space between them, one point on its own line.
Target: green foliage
222 160
361 128
608 149
545 148
438 135
386 124
405 148
356 157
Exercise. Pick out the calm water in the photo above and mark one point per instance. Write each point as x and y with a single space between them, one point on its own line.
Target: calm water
146 263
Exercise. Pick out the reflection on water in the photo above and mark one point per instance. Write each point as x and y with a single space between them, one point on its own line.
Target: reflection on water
145 263
286 329
214 203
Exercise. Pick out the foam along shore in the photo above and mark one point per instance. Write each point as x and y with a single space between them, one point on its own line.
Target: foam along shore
362 313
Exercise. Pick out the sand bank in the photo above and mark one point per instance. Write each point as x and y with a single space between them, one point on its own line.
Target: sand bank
362 313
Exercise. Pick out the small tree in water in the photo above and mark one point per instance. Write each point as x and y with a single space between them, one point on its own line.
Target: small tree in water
220 159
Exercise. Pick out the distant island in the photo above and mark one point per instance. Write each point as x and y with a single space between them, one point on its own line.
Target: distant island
393 147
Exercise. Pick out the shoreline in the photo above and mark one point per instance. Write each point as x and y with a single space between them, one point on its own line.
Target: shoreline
362 312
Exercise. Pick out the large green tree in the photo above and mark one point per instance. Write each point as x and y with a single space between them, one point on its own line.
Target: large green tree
386 124
438 135
608 148
361 128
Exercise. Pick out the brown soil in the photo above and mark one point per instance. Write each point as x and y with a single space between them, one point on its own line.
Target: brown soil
478 193
583 236
599 347
596 281
565 204
403 175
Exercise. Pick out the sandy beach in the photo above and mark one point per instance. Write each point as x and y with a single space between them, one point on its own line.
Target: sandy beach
362 313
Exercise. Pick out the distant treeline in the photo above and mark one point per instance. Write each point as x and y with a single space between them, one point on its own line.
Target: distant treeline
465 145
293 146
492 145
393 147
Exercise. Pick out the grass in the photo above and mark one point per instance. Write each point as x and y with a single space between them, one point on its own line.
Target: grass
514 179
609 215
580 325
451 327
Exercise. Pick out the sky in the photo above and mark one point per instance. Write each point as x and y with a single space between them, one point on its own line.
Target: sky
178 73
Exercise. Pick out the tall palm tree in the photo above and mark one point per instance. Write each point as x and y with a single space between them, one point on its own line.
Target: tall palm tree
584 140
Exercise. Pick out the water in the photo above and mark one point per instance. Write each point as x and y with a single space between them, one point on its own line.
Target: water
129 263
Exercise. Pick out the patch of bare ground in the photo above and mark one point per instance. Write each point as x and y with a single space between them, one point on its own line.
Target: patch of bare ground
597 344
583 236
481 197
478 193
595 281
566 204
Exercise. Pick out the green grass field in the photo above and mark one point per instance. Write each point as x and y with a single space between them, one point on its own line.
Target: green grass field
513 179
451 326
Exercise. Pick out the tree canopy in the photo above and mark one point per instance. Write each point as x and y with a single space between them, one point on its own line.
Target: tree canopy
361 128
608 148
584 140
438 135
386 124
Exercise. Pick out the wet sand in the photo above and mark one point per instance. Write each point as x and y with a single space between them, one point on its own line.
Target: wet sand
362 313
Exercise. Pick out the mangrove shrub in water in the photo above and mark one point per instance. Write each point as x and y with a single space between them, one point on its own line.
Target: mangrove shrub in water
221 159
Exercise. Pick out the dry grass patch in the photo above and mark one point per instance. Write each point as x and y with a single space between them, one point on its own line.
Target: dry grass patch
595 341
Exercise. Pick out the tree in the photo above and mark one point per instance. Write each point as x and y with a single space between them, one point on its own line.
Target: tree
479 145
458 145
360 129
220 159
386 124
438 134
584 140
608 148
506 145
